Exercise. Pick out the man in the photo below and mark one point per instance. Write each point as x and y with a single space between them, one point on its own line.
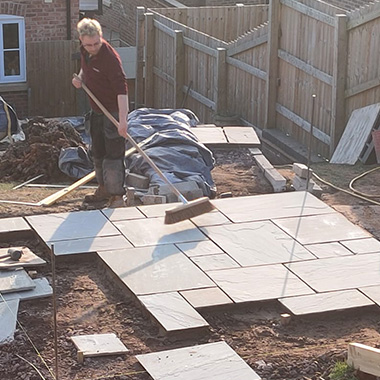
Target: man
102 72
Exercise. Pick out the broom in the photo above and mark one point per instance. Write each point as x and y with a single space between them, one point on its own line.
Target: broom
177 214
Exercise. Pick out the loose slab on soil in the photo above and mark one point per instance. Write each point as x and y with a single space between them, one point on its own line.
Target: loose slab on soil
99 345
15 280
42 289
28 259
8 320
13 225
212 361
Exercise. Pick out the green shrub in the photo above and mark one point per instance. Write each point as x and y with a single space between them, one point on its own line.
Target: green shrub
342 371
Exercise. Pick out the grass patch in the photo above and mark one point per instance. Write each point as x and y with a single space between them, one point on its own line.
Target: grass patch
342 371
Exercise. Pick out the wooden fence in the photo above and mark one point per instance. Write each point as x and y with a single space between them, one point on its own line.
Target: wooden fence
50 66
268 75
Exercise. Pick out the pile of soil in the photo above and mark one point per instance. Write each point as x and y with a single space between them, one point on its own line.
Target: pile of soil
39 152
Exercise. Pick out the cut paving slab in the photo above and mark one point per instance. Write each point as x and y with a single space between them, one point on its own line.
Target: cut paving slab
8 320
212 361
99 345
325 250
173 312
13 225
208 297
15 280
322 302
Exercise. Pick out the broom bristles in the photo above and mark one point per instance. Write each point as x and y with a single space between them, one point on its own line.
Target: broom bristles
189 210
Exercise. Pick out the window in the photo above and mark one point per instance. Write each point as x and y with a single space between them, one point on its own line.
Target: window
12 49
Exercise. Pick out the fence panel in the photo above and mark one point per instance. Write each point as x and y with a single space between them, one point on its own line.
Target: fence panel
50 67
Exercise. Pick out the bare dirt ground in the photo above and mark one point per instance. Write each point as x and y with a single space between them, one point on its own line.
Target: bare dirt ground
88 302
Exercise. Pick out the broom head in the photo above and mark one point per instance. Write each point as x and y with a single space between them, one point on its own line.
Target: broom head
189 210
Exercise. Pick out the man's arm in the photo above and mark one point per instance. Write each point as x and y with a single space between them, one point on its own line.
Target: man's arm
122 102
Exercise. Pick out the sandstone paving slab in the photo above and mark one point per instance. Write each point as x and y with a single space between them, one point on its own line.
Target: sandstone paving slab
257 243
323 250
213 262
210 135
242 136
94 244
8 320
15 280
72 225
211 361
212 218
323 302
339 273
123 213
269 206
259 283
207 297
199 248
147 270
172 312
99 344
153 231
321 228
372 292
16 224
362 245
28 259
154 211
42 289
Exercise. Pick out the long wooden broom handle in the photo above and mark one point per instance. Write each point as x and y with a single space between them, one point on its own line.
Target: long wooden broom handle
136 146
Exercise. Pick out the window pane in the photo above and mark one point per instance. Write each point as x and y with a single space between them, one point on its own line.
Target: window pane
11 63
10 32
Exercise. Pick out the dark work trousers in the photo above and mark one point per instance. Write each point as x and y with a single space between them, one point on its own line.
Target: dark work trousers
108 150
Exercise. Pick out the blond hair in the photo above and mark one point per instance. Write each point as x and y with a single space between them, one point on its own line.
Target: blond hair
89 27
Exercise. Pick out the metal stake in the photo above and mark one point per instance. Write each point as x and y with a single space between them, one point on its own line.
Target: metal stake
54 311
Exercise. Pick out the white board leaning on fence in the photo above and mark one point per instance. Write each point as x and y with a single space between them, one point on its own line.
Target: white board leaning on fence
356 134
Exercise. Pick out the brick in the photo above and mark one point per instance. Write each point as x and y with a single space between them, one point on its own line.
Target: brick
153 199
301 170
137 181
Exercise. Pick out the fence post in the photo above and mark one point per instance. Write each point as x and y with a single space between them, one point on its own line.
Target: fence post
179 68
149 60
338 109
272 56
139 80
220 83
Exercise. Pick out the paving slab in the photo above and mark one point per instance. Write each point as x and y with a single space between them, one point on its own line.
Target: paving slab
212 218
42 289
17 224
172 312
269 206
242 136
372 292
153 231
211 361
257 243
324 250
153 211
28 259
259 283
94 244
339 273
15 280
210 135
148 270
72 225
362 245
8 320
99 344
208 297
323 302
199 248
122 213
213 262
321 228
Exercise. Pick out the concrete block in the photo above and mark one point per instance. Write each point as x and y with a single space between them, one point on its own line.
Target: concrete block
255 151
153 199
137 181
301 170
262 162
277 181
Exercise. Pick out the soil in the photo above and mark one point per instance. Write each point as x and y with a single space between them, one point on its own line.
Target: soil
88 302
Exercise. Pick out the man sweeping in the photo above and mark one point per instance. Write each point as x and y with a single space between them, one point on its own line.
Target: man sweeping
102 72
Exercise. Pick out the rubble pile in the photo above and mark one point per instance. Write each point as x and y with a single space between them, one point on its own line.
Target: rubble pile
39 152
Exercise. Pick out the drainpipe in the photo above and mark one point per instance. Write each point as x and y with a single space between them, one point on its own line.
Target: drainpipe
68 20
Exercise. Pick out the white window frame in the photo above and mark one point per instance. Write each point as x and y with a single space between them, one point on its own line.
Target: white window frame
10 19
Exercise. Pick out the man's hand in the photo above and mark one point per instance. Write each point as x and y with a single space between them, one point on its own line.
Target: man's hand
123 128
77 81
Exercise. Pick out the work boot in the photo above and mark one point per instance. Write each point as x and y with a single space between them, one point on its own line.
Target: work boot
116 201
100 195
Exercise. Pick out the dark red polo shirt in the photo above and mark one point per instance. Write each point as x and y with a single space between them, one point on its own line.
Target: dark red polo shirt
103 74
